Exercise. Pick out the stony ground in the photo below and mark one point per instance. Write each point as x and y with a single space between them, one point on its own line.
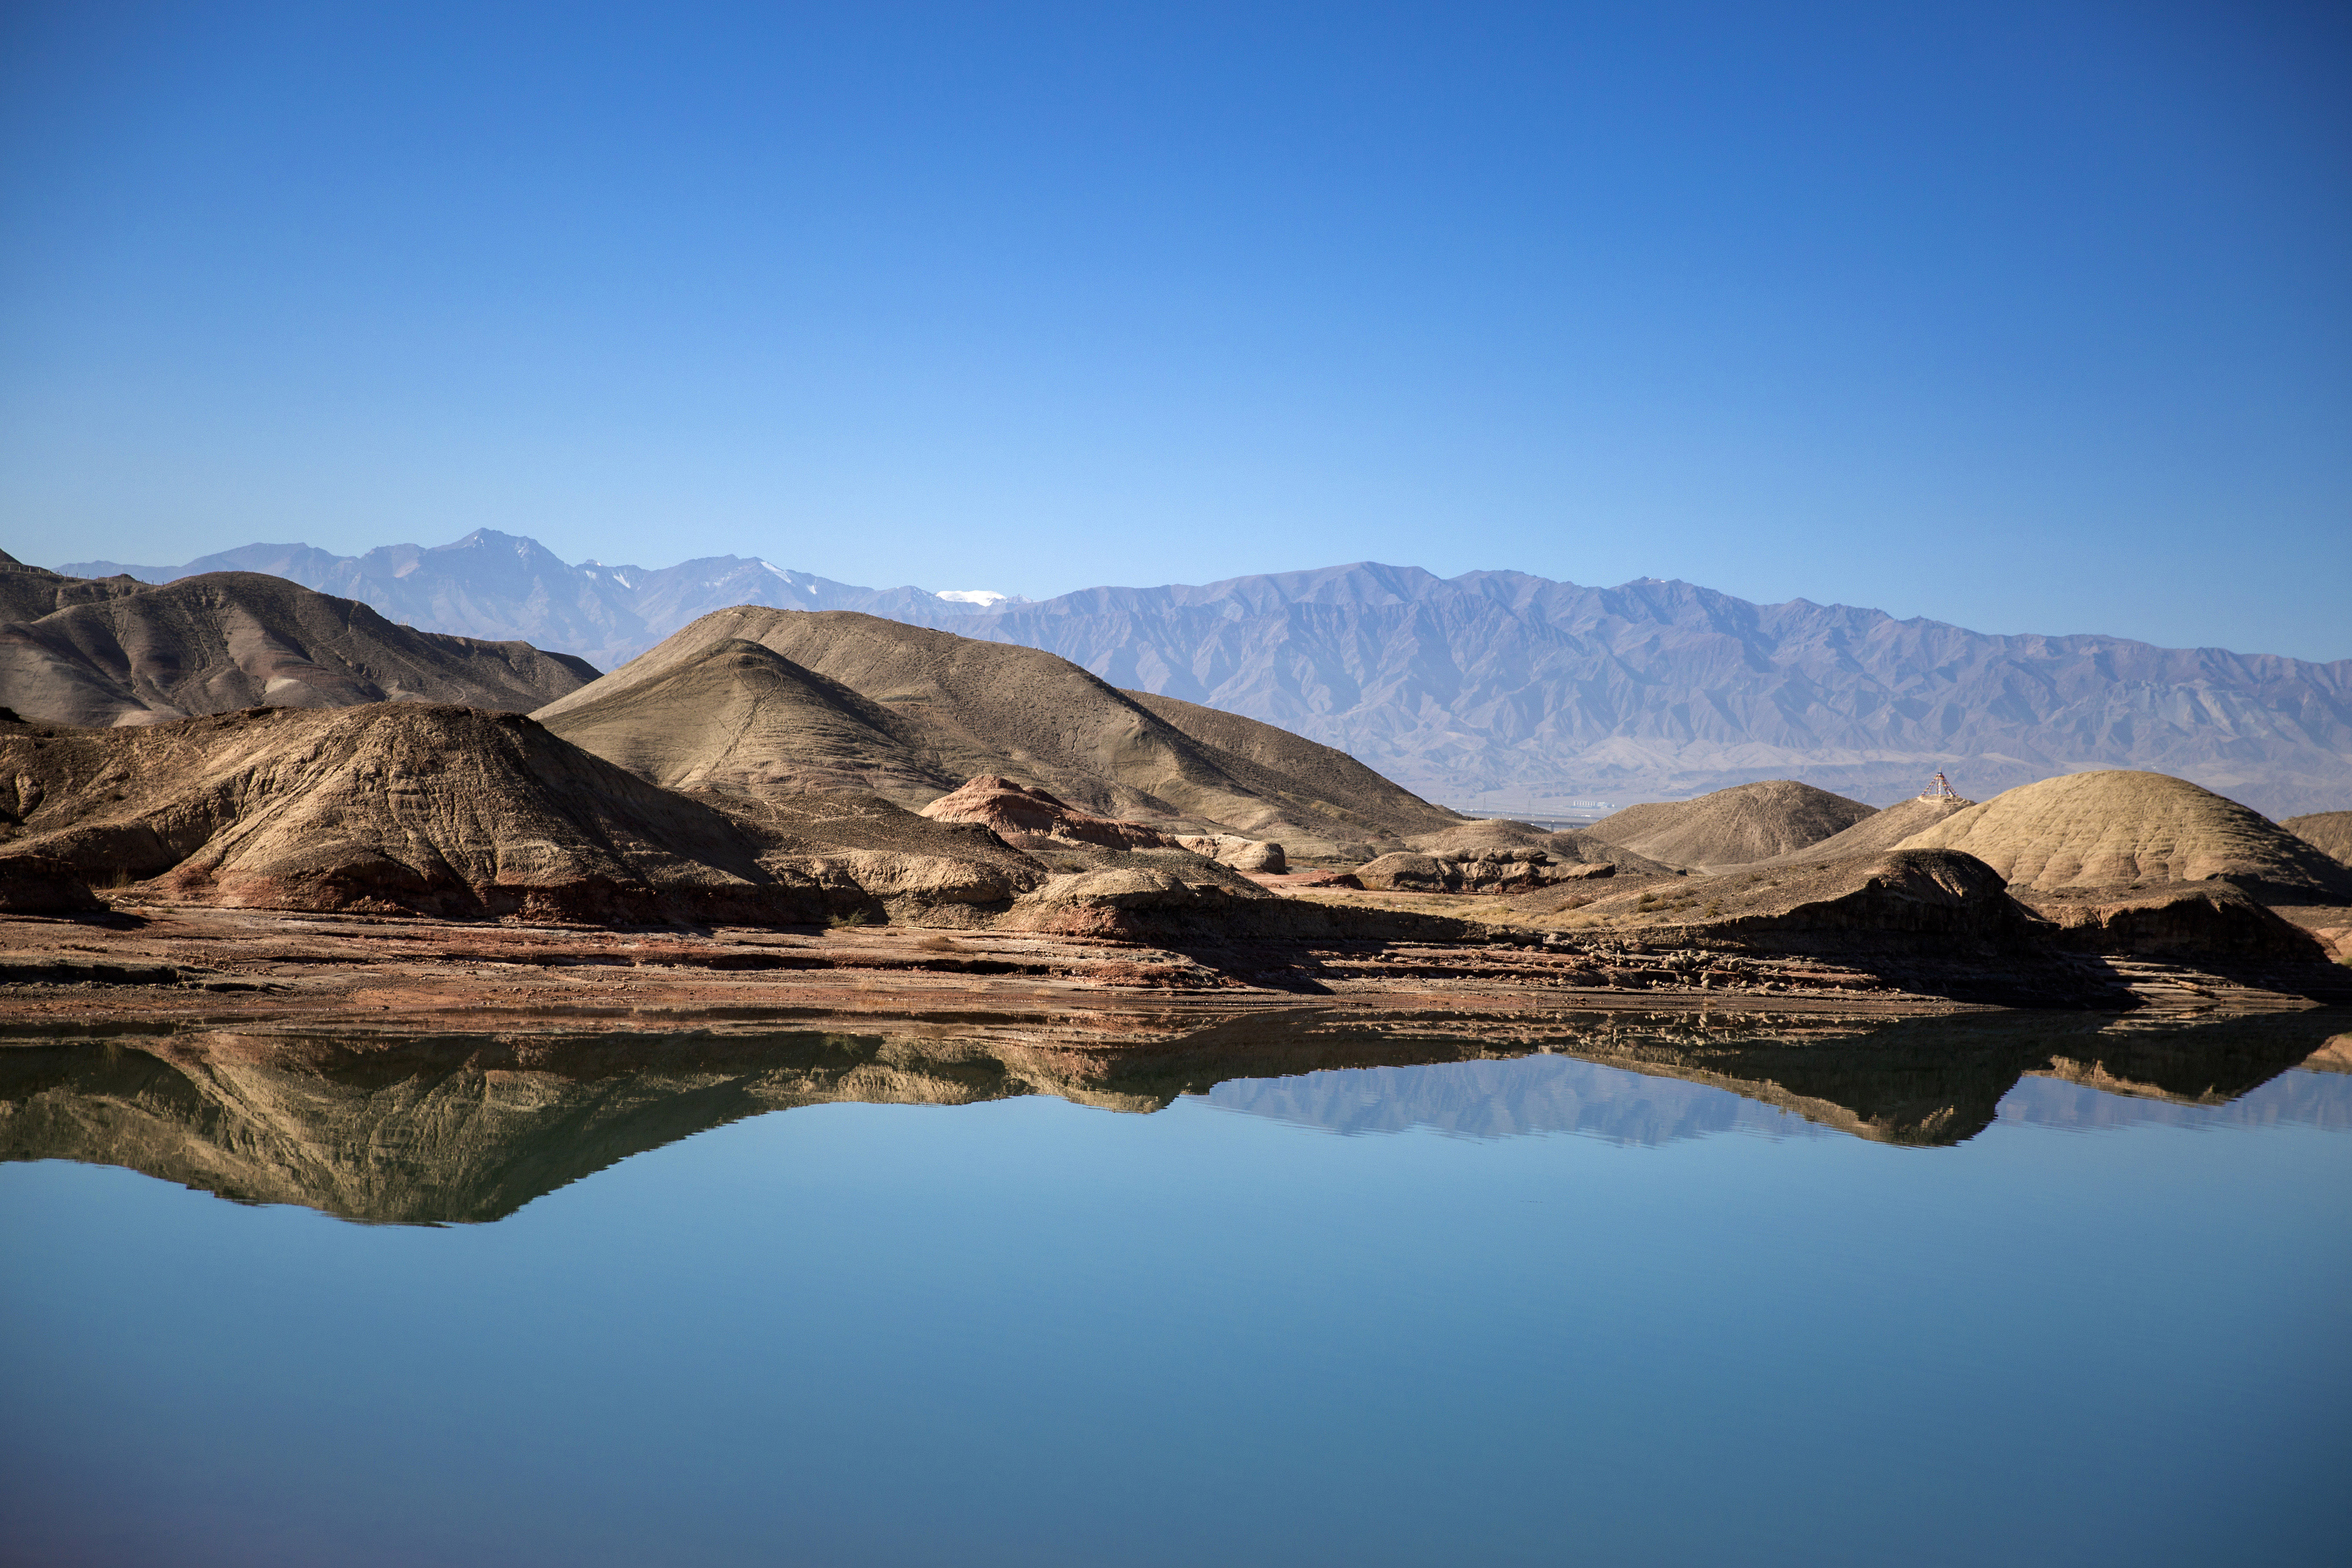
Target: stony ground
177 964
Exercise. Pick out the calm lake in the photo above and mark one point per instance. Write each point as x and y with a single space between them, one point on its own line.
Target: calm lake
2033 1290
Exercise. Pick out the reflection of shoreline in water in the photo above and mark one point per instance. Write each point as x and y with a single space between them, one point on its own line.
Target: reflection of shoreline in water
459 1128
1923 1081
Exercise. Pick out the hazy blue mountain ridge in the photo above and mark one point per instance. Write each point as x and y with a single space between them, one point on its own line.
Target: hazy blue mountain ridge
1495 686
605 615
1499 689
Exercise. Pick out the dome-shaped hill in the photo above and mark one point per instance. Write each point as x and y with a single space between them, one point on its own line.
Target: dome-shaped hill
2329 832
742 717
964 706
2114 827
1736 826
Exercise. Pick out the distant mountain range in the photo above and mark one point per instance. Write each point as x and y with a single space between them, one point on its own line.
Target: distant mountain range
605 615
1496 689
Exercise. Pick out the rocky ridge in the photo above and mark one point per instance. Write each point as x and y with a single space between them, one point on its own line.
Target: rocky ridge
122 653
423 809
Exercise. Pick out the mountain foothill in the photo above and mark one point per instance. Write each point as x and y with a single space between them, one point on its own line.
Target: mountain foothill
236 739
119 651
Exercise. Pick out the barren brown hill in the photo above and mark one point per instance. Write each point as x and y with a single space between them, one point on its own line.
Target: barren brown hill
415 807
1736 826
239 639
960 708
1874 834
2329 832
2113 828
745 719
28 593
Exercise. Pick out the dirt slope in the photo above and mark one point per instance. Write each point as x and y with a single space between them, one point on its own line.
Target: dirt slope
2329 832
238 639
454 810
1874 834
1736 826
1469 839
936 708
1326 774
2113 828
745 719
28 593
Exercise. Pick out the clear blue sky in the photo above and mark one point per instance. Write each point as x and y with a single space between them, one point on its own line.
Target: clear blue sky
2030 318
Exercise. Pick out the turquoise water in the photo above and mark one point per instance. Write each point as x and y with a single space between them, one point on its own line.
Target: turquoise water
1491 1311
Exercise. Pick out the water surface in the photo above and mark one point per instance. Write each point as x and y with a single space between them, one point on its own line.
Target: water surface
2052 1290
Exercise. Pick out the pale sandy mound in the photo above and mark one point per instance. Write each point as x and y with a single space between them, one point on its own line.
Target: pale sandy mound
1734 827
138 655
1874 834
966 706
2329 832
455 811
2115 828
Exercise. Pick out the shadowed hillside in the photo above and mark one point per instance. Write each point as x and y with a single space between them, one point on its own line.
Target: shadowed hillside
2329 832
401 807
127 655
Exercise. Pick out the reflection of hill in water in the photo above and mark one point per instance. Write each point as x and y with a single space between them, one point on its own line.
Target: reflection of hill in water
1507 1099
470 1128
2212 1076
